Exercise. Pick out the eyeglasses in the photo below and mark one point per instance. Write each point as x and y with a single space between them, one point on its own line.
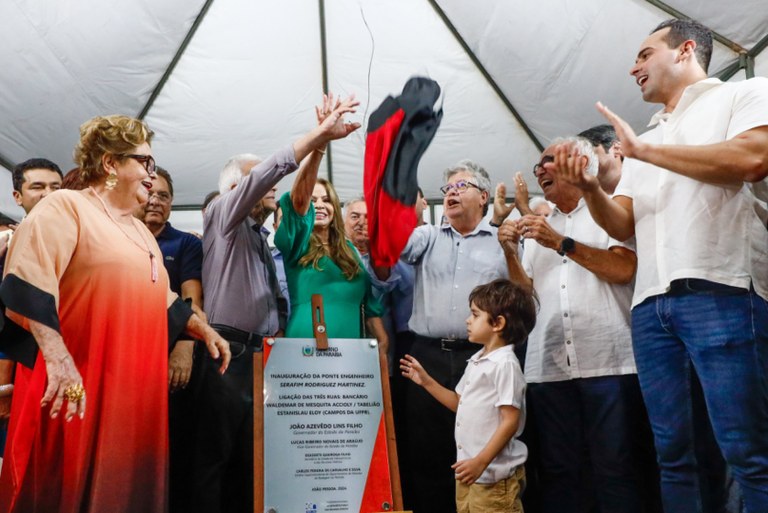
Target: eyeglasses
145 160
546 159
460 187
160 197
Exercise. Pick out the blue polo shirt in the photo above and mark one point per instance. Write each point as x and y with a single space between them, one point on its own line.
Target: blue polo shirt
182 256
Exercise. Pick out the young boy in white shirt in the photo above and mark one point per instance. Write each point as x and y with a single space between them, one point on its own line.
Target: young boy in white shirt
489 400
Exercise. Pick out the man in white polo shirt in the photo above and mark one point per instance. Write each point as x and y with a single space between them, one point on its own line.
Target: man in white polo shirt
700 297
582 382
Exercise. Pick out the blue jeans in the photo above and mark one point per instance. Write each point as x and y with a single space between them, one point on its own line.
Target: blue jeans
600 414
721 332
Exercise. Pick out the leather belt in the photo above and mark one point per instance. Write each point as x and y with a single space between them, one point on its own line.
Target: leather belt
446 344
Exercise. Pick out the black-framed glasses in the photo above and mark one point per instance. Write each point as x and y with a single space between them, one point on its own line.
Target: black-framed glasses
546 159
145 160
460 186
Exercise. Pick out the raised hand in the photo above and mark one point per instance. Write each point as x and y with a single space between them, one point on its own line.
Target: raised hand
330 116
500 208
522 198
631 146
571 168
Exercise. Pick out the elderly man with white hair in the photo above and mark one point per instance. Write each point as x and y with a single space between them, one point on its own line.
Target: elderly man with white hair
583 388
244 304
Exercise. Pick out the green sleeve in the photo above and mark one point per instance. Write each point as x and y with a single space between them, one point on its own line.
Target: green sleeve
292 236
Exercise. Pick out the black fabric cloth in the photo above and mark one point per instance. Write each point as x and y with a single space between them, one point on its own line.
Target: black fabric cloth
399 132
31 302
178 316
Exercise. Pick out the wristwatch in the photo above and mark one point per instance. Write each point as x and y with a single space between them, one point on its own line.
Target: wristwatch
567 246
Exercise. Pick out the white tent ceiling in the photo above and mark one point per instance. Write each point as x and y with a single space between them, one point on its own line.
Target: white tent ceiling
219 77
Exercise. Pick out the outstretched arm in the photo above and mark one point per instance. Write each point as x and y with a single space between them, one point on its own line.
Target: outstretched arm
744 158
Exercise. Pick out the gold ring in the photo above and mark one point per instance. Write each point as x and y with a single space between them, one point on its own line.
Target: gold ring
74 393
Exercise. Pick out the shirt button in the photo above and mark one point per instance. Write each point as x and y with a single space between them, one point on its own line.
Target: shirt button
454 308
562 286
458 424
455 286
458 268
565 260
565 314
458 446
567 341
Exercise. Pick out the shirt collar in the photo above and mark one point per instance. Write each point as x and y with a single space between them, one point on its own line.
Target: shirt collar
165 232
493 356
690 94
579 205
482 226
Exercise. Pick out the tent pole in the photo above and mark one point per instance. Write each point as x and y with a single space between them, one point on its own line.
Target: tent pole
486 74
6 163
324 61
682 16
175 60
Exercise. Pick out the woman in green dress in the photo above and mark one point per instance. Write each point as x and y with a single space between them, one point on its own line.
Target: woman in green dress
320 260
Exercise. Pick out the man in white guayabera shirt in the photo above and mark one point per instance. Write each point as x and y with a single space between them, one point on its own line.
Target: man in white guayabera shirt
702 282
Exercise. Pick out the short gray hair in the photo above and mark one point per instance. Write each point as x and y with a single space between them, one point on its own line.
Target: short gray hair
476 170
479 175
585 148
232 173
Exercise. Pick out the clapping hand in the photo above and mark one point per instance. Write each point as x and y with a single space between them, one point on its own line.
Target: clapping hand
572 168
631 145
500 208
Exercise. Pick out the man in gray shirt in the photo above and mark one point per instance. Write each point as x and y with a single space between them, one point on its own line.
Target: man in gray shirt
243 303
449 261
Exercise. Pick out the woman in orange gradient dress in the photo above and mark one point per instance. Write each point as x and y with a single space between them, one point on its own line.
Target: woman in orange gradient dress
83 276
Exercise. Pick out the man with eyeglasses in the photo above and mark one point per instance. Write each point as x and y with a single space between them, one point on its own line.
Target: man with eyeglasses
580 369
183 259
449 261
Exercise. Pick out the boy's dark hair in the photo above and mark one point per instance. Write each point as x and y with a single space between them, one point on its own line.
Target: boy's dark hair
165 174
683 30
503 298
36 163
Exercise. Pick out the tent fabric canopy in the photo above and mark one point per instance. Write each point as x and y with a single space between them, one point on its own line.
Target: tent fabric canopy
214 78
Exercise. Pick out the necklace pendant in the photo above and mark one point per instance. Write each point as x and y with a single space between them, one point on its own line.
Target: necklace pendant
153 262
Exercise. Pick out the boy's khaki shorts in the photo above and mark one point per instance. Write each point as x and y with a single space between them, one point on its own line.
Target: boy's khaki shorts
501 497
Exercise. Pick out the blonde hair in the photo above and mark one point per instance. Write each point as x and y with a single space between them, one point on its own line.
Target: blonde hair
113 134
337 249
